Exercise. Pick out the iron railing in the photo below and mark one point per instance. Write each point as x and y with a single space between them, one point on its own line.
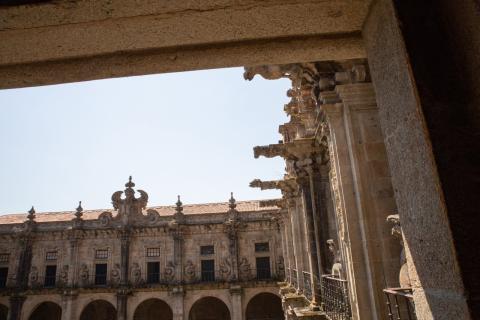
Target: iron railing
400 303
335 299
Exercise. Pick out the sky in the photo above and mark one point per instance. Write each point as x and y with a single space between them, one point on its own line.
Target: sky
189 133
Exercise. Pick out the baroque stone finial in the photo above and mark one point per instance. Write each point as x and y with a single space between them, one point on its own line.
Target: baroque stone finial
130 184
31 214
232 205
79 210
179 207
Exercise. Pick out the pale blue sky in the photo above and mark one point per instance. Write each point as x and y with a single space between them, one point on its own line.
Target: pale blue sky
189 133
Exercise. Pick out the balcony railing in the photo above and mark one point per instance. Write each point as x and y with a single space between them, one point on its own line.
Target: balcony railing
335 298
400 303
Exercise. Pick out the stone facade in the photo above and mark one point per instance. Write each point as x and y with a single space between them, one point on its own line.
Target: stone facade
182 257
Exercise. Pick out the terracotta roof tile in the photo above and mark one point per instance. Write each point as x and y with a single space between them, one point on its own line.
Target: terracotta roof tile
204 208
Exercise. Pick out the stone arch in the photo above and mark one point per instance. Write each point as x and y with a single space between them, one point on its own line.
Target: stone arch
99 310
264 306
209 308
153 309
3 312
46 311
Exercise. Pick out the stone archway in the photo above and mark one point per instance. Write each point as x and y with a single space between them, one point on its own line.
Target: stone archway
153 309
264 306
209 308
46 311
3 312
99 310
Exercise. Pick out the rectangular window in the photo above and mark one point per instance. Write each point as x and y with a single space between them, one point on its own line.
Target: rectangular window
206 250
153 252
208 270
153 272
100 274
101 254
50 276
51 255
4 257
263 268
262 247
3 277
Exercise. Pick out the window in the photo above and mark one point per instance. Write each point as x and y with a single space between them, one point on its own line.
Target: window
153 252
3 277
208 270
263 268
262 247
51 255
153 272
50 276
101 254
101 274
4 257
206 250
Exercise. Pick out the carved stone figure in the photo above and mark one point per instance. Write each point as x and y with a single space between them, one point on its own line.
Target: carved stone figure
33 276
64 275
280 267
130 208
84 274
337 269
226 269
136 274
244 269
403 276
169 272
115 274
105 218
189 271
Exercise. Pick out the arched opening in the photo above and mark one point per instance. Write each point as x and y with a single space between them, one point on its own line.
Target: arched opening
264 306
46 311
99 310
3 312
209 308
153 309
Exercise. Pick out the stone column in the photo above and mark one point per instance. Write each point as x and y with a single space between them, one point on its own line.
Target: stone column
283 238
236 293
122 294
16 304
311 243
68 304
290 244
72 277
178 302
297 241
424 66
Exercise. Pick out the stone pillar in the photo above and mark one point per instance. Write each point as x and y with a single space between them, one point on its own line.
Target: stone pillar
311 243
284 240
122 294
178 302
68 304
16 304
424 66
72 276
236 292
297 242
122 297
290 244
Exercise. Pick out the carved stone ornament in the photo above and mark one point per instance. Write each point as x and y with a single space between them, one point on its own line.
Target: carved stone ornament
115 274
129 208
337 269
169 272
84 274
152 216
33 276
226 269
105 218
280 267
64 274
189 271
403 276
244 269
136 274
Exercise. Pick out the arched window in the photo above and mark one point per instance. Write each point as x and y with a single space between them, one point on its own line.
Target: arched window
99 310
153 309
265 306
46 311
209 308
